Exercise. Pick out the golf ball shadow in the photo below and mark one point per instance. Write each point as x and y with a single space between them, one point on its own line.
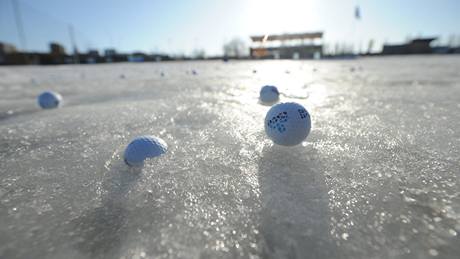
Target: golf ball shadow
100 231
295 217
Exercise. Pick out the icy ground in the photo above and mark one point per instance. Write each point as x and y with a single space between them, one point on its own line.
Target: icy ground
378 177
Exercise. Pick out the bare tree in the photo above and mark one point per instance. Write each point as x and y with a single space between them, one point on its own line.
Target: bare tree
198 54
236 48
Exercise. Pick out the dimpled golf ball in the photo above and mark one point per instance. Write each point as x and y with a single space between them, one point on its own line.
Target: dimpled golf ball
49 100
287 124
269 94
144 147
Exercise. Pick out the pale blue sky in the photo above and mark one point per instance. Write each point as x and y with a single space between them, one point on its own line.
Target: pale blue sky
180 26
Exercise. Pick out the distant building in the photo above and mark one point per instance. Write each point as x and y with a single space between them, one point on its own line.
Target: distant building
442 50
6 49
109 55
110 52
91 57
56 49
9 55
416 46
57 54
93 53
137 57
287 46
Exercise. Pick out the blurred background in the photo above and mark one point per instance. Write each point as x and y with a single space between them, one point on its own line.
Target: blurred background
108 31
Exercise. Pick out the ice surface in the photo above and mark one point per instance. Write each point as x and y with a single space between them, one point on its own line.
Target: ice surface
376 178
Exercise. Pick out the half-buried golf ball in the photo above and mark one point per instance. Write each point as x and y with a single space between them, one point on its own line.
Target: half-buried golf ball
269 94
144 147
287 124
49 100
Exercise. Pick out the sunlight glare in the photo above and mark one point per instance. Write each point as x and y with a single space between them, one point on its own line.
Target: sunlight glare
282 16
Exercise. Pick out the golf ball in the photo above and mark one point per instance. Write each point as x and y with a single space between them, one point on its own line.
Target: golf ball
269 94
287 124
144 147
49 100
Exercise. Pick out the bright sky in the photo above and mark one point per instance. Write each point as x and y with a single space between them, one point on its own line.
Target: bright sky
180 26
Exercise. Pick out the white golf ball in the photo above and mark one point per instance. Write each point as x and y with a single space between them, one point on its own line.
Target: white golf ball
49 100
144 147
269 94
287 124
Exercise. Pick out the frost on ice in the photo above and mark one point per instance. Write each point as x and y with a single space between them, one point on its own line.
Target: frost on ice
376 178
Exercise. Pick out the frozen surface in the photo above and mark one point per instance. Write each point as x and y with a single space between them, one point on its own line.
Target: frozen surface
378 176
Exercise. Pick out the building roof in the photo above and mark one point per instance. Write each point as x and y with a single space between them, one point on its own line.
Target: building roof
290 36
7 48
423 40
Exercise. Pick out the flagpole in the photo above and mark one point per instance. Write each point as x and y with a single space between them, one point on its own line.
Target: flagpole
355 23
19 26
